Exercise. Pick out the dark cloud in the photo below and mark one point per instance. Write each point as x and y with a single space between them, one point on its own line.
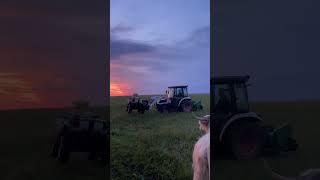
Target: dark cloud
120 29
119 48
199 37
122 47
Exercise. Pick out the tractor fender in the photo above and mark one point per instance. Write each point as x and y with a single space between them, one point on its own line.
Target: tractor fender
185 98
159 103
239 117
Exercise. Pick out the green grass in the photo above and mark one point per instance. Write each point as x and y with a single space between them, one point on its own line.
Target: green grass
26 138
157 145
305 119
152 145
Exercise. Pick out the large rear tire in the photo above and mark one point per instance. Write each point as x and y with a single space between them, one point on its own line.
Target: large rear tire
186 106
245 140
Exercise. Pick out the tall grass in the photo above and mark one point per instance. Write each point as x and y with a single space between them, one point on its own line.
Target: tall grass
152 145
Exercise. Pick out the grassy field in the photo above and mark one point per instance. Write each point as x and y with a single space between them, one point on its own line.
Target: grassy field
157 145
305 118
26 138
152 145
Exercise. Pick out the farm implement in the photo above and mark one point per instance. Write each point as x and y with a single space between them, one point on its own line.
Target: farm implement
137 103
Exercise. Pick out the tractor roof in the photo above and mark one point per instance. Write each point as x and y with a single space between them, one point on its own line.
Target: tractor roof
229 79
178 86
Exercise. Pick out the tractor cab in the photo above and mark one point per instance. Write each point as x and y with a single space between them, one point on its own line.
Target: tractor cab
229 100
230 95
177 91
177 99
175 94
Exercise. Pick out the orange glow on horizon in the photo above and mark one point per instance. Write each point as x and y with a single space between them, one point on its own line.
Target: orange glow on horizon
119 85
119 89
16 92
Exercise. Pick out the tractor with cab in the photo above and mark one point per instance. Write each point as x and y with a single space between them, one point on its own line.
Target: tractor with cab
239 132
176 100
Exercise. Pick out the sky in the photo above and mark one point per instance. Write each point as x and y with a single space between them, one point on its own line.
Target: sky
156 44
275 42
54 52
51 53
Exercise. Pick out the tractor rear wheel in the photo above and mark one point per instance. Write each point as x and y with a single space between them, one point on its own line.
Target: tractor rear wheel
245 140
63 152
186 106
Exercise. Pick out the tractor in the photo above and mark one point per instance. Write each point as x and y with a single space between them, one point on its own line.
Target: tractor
176 99
135 102
80 131
238 131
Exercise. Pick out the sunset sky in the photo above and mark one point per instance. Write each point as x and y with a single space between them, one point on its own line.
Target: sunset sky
155 44
51 53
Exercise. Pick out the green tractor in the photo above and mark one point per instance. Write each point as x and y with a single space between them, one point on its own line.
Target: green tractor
238 131
177 99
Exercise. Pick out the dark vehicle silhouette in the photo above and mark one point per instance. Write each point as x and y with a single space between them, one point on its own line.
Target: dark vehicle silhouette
137 103
81 132
238 131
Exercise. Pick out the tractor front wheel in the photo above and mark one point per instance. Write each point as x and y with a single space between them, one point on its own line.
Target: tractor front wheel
245 140
160 108
129 108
